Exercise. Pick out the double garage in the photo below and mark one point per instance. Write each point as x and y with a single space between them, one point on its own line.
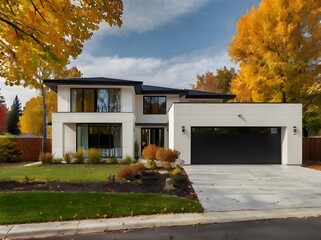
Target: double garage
236 145
228 133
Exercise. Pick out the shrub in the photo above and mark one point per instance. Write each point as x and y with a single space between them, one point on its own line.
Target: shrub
46 158
9 150
167 155
79 156
177 171
127 160
167 165
131 172
149 152
25 180
112 160
57 160
94 155
68 157
151 164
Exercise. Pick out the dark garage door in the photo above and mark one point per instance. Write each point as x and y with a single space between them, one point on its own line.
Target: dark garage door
236 145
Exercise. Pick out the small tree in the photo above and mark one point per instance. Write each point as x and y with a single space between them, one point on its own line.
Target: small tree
149 152
13 117
167 155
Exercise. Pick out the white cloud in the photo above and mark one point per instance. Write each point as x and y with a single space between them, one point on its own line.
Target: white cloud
145 15
174 72
9 93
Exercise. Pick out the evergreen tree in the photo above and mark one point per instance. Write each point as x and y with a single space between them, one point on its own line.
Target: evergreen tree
13 117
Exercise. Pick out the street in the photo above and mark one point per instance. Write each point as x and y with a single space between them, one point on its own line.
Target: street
253 230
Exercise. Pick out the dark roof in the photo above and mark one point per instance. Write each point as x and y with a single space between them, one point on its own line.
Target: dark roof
138 85
207 95
53 83
149 89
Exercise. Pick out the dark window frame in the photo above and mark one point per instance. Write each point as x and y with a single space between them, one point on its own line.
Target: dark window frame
95 98
150 112
162 131
106 125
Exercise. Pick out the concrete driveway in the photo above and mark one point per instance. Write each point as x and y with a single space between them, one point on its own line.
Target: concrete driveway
249 187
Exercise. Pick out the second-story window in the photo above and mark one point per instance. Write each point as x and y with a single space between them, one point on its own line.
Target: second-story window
154 105
95 100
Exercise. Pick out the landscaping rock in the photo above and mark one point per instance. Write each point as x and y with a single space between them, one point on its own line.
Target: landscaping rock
169 184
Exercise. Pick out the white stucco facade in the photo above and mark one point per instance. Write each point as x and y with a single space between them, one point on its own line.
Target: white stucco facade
184 108
64 130
64 122
286 116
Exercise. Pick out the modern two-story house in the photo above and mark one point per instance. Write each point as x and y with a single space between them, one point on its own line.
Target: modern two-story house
111 114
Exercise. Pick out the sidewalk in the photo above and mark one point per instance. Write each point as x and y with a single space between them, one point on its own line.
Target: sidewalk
35 230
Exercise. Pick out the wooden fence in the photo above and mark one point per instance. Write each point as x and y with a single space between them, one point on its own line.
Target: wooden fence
311 149
31 148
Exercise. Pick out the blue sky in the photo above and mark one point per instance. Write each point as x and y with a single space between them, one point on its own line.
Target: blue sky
161 42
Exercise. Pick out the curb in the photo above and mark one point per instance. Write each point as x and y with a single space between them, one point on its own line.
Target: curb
50 229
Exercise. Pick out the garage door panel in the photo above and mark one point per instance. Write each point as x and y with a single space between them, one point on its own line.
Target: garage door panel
238 145
206 144
272 144
246 148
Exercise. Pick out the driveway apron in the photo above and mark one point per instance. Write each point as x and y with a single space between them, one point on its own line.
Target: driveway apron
250 187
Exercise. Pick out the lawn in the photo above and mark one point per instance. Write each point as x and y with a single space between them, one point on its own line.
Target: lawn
70 173
25 207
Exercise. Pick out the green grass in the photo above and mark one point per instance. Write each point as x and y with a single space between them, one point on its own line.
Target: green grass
58 173
25 207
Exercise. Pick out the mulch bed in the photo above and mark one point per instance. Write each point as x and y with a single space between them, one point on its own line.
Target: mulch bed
150 182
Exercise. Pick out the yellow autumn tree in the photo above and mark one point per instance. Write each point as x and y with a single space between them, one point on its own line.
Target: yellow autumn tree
40 36
278 48
46 34
31 120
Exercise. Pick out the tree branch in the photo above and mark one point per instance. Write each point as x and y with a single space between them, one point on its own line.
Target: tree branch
10 7
37 10
20 30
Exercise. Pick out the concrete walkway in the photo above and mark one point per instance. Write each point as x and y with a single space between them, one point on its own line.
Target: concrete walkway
27 231
252 187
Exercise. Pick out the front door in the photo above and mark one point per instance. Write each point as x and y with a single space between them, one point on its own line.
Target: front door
152 136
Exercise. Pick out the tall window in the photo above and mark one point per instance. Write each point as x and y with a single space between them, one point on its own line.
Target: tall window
154 105
95 100
106 137
152 136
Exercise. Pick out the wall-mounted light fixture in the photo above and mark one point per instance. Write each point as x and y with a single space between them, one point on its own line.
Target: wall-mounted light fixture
183 130
295 131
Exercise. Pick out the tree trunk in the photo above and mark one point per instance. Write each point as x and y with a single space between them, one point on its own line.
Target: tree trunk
44 115
283 97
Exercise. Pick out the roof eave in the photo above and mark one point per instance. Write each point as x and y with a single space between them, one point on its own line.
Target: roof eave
53 83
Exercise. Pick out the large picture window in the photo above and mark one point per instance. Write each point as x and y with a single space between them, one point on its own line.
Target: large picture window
154 105
106 137
95 100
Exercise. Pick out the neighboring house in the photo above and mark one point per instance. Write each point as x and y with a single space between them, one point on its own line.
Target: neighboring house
111 114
